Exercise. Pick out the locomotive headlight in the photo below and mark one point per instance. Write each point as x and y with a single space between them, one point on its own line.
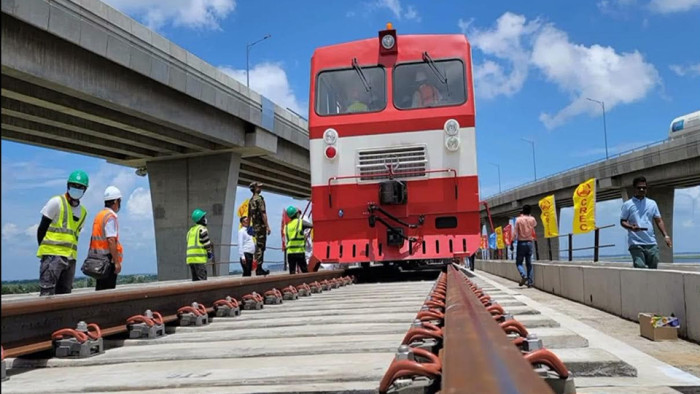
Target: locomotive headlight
452 143
451 127
330 136
388 41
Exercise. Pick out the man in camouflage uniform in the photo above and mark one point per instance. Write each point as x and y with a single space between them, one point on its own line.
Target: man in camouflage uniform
258 216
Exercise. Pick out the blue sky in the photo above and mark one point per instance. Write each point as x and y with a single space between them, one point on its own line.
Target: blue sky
535 64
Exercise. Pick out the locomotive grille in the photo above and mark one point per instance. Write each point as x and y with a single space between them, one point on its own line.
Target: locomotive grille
404 162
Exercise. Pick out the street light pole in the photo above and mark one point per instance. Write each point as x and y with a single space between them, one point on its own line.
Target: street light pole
499 175
605 128
247 57
534 166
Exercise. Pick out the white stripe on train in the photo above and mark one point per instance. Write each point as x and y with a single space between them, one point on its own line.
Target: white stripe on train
345 162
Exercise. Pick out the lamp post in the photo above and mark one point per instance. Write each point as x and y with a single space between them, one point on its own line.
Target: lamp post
605 129
499 175
534 166
247 57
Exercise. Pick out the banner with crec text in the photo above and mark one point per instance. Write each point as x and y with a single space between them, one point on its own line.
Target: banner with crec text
584 207
549 216
499 238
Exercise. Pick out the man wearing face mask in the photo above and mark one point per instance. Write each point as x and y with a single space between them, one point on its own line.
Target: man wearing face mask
105 238
61 222
199 247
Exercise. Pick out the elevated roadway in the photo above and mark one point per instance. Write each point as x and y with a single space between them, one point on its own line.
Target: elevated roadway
80 76
666 165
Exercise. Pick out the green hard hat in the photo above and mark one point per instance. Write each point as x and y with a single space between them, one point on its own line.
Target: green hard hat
291 211
79 177
197 215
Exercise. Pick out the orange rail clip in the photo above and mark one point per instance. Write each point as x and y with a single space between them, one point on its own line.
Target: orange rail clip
403 368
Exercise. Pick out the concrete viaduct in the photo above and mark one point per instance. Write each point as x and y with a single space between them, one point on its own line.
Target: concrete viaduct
80 76
666 166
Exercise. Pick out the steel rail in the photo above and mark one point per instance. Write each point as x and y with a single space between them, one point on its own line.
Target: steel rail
27 324
477 355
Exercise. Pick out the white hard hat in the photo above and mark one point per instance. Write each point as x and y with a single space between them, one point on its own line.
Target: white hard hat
112 193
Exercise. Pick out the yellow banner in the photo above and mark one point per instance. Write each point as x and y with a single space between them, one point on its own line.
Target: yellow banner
243 211
549 217
584 207
500 243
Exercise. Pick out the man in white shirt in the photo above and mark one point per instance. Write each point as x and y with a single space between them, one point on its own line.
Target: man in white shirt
246 247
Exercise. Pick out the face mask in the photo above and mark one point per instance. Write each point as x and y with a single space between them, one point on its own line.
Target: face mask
75 193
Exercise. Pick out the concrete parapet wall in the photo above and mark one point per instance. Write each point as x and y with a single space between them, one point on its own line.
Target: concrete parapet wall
622 291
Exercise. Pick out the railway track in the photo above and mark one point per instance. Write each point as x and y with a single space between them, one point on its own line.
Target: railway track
343 340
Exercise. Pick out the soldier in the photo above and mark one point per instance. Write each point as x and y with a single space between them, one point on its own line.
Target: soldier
258 216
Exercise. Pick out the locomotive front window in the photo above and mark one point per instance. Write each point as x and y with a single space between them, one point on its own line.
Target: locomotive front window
350 91
429 83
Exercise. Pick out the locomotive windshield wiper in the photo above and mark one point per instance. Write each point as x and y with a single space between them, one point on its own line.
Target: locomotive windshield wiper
359 72
431 63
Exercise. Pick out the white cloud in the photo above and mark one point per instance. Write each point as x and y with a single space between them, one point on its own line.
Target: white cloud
596 71
270 80
412 14
195 14
10 230
505 42
579 71
31 230
692 70
139 204
409 12
671 6
613 6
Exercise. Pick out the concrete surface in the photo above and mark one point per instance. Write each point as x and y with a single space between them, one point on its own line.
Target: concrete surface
622 291
659 365
331 352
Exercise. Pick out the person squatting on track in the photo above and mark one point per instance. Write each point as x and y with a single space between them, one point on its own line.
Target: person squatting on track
104 241
61 222
246 246
199 247
261 229
295 240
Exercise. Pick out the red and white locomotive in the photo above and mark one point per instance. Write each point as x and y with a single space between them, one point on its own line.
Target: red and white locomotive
393 150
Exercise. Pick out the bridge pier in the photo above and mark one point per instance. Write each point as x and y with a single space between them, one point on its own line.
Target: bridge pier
178 187
664 199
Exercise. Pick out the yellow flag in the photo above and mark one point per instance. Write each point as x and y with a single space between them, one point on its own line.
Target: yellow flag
549 216
500 244
584 207
243 211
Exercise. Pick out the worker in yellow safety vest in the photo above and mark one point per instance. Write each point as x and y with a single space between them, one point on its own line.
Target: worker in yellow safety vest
199 247
61 222
295 241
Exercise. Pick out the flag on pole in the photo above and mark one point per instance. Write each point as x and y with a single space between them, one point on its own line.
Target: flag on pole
584 207
243 211
492 241
549 216
499 238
